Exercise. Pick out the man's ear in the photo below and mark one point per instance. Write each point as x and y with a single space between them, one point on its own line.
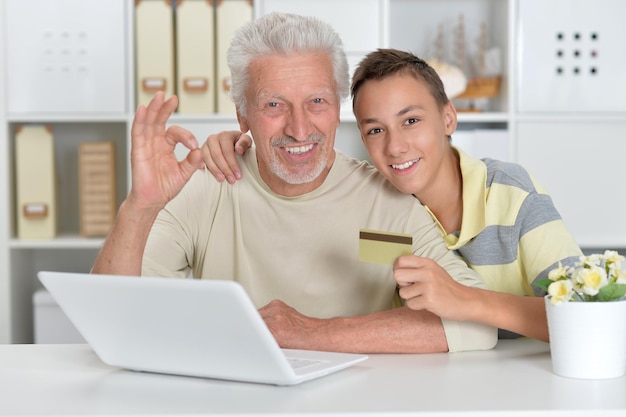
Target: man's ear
450 118
243 123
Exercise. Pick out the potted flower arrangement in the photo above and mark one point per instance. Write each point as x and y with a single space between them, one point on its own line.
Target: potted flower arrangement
597 277
586 311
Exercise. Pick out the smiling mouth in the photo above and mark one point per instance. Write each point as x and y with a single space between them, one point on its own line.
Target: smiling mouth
299 150
404 165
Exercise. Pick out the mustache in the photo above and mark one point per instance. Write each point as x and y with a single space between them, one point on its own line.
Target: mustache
290 140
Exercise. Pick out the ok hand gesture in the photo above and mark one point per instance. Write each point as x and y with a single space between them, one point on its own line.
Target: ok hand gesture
157 175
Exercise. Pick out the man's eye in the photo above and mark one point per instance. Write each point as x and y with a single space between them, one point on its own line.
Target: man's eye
411 120
318 100
272 104
374 131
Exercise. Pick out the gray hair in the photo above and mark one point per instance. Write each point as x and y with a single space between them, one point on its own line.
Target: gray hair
283 33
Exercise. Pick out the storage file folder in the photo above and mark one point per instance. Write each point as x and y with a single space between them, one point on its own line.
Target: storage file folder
195 56
231 14
35 182
154 30
96 182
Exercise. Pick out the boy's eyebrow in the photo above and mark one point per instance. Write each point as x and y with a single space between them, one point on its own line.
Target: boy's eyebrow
368 120
407 109
401 112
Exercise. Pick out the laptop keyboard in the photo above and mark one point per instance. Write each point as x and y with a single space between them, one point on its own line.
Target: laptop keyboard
297 363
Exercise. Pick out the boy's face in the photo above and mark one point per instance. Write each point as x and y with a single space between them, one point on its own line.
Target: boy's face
404 131
293 115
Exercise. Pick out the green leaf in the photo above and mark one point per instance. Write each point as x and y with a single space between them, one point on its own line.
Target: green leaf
612 292
543 283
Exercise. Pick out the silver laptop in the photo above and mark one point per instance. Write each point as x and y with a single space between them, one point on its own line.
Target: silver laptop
202 328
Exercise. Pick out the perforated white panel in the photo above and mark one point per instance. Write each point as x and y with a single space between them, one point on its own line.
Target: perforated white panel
65 56
572 56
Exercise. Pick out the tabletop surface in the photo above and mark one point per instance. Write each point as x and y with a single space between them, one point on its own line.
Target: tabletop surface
515 378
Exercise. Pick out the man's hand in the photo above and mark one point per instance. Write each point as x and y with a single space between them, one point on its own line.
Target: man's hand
218 153
157 175
425 285
291 329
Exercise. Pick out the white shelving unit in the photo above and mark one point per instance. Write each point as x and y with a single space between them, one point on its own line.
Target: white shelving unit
576 154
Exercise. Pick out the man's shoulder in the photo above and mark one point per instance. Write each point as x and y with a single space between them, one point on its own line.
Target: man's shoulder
361 177
349 165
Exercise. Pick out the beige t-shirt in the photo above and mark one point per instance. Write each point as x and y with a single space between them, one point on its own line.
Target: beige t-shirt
302 250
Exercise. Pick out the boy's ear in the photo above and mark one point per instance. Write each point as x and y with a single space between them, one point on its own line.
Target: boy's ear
450 118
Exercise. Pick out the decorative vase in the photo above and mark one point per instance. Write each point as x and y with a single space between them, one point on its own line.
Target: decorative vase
587 339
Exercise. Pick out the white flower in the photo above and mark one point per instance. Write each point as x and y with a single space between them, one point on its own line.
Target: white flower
611 256
559 273
596 277
613 269
591 260
590 280
560 291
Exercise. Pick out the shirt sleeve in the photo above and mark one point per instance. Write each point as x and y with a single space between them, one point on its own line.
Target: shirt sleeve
467 335
165 254
544 239
170 249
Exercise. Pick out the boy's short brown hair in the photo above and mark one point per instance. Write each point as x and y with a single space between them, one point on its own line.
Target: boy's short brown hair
383 63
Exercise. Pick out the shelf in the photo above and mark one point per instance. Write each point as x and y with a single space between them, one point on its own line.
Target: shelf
178 118
483 117
572 117
61 242
82 118
463 117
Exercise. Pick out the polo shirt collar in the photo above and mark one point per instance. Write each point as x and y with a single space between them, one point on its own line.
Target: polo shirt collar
474 175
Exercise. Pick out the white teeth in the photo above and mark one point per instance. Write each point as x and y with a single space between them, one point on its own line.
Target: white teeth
404 165
297 150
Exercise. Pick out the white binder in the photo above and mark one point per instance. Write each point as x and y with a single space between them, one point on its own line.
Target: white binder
231 14
35 182
154 31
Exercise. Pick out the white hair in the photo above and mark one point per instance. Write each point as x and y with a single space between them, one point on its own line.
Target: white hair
283 33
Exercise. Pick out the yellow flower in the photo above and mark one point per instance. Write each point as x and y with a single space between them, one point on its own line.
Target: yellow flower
591 279
560 291
621 277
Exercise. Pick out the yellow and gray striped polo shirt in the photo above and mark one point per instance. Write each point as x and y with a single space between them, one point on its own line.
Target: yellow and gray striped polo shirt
511 233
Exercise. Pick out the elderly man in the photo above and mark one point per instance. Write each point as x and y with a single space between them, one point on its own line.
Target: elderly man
289 232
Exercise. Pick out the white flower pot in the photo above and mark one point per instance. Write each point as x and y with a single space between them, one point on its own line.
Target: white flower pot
587 339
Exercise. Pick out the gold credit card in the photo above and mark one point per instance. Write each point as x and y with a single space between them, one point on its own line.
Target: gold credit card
383 247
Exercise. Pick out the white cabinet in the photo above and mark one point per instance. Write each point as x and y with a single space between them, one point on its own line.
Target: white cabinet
66 65
569 123
580 163
79 77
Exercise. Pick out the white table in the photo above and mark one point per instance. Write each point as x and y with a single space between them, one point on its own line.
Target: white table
514 379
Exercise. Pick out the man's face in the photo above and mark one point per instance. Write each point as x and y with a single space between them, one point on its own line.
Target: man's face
293 115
